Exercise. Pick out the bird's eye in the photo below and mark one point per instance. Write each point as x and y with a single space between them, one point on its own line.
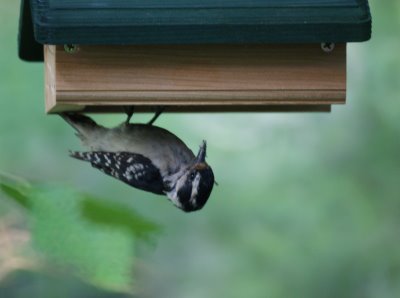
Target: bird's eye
192 176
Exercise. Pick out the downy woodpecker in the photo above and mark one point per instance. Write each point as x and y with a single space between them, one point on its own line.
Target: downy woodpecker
146 157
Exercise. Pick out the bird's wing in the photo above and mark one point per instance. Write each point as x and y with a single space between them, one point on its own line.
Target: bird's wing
134 169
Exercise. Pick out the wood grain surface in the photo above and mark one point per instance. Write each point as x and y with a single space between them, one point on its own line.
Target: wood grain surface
200 78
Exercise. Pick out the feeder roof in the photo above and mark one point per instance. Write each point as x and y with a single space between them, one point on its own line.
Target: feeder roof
190 22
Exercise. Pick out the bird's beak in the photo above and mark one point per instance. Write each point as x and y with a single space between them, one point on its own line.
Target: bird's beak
201 156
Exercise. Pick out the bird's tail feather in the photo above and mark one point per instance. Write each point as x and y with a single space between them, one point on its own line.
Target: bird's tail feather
84 125
78 121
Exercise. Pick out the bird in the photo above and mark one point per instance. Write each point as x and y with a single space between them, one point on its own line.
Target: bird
146 157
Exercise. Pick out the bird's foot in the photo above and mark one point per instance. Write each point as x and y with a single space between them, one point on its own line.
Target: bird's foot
159 111
129 110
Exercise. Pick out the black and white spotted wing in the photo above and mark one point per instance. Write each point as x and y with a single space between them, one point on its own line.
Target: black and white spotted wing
134 169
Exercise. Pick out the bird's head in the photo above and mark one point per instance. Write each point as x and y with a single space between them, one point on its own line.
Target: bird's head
194 186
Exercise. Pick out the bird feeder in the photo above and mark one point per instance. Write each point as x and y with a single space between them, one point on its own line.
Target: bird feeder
192 55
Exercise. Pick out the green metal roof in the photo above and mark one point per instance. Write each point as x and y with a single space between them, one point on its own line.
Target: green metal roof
192 22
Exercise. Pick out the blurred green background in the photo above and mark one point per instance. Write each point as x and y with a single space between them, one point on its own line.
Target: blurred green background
308 205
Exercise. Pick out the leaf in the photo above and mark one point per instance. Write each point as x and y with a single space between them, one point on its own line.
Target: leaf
92 237
14 193
103 255
105 213
15 188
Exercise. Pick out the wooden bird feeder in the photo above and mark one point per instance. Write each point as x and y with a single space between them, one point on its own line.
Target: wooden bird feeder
193 55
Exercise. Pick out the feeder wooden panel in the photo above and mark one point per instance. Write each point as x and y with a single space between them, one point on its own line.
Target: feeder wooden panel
192 55
289 77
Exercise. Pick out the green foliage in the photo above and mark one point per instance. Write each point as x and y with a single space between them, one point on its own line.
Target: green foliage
109 214
83 233
16 194
88 248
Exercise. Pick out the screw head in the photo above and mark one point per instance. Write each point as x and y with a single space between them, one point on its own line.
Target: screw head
71 48
327 47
